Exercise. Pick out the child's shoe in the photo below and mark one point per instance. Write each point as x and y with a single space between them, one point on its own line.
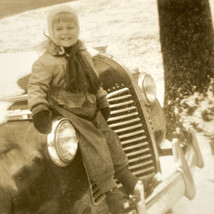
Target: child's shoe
115 199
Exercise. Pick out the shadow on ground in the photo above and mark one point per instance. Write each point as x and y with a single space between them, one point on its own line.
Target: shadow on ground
12 7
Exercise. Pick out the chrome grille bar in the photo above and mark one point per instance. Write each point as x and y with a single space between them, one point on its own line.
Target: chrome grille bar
119 98
128 128
152 168
121 104
114 125
123 110
118 92
138 152
122 117
124 142
132 134
139 158
135 146
140 164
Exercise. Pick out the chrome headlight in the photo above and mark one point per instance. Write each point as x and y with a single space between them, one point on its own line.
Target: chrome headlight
62 142
148 88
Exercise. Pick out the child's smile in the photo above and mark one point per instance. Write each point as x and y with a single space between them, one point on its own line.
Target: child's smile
65 33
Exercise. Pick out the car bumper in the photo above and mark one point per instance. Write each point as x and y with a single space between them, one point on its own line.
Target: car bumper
179 183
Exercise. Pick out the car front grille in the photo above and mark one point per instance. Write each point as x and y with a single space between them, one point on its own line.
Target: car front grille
129 124
131 129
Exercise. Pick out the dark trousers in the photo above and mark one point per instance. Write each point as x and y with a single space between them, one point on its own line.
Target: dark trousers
101 150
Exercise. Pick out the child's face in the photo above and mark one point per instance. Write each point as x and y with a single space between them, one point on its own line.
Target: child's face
65 33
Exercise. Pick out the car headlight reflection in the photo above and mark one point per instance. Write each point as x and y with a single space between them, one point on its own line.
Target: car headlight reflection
62 142
148 88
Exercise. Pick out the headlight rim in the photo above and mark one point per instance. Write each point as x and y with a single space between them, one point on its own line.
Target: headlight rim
52 143
141 79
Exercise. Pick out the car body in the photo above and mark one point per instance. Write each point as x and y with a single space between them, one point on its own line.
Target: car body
34 180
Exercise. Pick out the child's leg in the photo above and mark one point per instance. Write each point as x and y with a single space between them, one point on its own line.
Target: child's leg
120 161
98 159
94 149
98 163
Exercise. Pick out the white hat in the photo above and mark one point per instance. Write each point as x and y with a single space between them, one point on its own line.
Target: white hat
57 10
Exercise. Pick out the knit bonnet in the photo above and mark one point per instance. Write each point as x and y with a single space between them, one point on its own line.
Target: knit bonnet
57 10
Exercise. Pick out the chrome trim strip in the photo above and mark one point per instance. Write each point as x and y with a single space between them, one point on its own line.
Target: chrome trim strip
119 98
123 110
128 128
139 158
134 140
132 134
135 146
140 165
18 98
19 114
138 152
144 170
115 93
122 117
121 104
124 123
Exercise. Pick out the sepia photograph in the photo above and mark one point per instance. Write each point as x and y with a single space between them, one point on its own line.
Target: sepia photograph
106 107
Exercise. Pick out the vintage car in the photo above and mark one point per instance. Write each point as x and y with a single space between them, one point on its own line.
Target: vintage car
45 173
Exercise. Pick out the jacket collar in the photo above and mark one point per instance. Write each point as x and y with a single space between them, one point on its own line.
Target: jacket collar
56 50
53 49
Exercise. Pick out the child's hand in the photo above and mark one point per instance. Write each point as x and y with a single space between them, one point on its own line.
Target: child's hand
42 121
105 112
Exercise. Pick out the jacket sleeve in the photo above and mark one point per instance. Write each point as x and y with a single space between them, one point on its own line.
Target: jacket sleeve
38 86
102 101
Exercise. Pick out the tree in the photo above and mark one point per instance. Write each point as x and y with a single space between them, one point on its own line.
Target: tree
187 43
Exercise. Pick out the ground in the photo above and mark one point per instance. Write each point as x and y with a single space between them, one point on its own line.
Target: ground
131 32
11 7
